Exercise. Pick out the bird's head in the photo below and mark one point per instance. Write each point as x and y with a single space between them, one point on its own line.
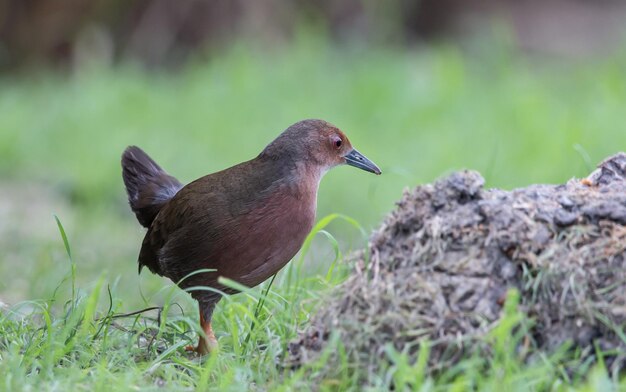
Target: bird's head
319 146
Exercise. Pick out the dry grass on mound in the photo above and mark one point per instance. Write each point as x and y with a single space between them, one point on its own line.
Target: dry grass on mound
441 264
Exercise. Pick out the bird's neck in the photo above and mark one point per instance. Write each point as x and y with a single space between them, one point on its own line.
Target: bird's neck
293 176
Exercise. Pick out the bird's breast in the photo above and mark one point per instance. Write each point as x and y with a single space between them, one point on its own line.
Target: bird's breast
270 235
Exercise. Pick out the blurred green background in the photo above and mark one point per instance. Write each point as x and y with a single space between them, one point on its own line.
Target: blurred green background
421 88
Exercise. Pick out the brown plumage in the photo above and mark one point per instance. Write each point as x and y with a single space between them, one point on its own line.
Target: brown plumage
243 223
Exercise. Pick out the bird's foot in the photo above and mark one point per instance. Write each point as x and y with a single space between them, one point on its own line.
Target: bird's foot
205 346
195 349
206 343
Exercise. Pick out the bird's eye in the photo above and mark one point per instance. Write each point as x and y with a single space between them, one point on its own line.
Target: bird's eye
338 143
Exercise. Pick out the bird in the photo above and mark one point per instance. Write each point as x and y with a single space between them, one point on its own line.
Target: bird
243 223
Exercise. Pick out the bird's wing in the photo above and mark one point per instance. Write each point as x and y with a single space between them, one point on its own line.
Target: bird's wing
184 226
203 221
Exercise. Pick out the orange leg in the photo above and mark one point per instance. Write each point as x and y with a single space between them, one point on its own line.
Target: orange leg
206 343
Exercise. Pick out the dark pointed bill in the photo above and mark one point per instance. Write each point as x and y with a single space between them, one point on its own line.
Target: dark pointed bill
356 159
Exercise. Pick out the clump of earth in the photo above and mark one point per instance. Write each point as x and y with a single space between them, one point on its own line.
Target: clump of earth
440 266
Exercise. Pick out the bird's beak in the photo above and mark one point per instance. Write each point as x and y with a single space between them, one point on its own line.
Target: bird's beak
356 159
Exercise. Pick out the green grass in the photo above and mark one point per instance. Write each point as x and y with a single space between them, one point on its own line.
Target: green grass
84 343
417 113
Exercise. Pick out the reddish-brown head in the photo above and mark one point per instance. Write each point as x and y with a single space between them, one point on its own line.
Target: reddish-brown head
318 145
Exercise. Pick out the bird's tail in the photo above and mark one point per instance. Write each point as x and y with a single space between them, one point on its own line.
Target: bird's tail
148 186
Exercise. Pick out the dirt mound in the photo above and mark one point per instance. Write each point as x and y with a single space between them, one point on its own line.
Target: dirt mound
441 264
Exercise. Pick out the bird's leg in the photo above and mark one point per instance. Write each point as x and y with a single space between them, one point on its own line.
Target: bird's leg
206 342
